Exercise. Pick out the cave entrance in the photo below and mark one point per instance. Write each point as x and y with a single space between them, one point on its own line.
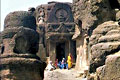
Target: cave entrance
60 51
114 4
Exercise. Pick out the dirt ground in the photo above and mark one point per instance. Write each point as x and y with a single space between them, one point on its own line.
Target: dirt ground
62 74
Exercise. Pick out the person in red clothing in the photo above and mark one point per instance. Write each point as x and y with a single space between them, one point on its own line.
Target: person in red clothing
56 63
71 57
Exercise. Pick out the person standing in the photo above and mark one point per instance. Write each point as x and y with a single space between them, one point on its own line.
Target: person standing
69 61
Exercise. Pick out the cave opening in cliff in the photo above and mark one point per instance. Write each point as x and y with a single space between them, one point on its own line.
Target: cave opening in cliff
60 51
114 4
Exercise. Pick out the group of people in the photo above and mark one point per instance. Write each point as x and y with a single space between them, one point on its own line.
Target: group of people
61 64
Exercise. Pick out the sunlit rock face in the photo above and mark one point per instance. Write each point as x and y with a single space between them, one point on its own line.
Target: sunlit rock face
111 69
20 18
88 14
20 40
92 12
105 51
100 21
19 60
104 41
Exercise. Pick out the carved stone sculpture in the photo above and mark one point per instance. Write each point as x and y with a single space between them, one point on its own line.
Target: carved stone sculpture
19 60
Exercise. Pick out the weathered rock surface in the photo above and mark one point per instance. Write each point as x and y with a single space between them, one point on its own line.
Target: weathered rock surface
21 67
104 41
118 16
55 24
0 38
63 74
19 60
21 40
92 12
20 18
97 19
111 69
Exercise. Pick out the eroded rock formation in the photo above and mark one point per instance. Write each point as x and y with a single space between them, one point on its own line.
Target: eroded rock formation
20 18
100 22
97 35
92 12
19 60
104 41
111 69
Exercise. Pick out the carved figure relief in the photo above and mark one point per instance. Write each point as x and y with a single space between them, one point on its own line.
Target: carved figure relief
61 15
41 16
61 28
40 20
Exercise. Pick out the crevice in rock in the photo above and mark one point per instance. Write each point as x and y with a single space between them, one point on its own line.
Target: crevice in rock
114 4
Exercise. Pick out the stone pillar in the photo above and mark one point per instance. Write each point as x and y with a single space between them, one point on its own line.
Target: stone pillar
79 52
85 53
72 49
21 67
41 52
47 47
82 53
52 51
66 49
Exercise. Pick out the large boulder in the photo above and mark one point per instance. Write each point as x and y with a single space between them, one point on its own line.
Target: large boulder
111 69
92 13
19 59
21 67
104 41
20 18
21 42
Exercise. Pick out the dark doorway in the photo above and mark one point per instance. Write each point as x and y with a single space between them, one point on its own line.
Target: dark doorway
74 51
114 4
60 51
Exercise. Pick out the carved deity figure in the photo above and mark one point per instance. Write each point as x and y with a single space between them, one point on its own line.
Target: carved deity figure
40 20
41 15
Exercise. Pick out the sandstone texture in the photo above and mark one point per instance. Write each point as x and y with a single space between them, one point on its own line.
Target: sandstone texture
63 74
20 18
55 25
21 67
19 60
96 19
38 32
118 16
21 40
92 13
111 69
104 41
